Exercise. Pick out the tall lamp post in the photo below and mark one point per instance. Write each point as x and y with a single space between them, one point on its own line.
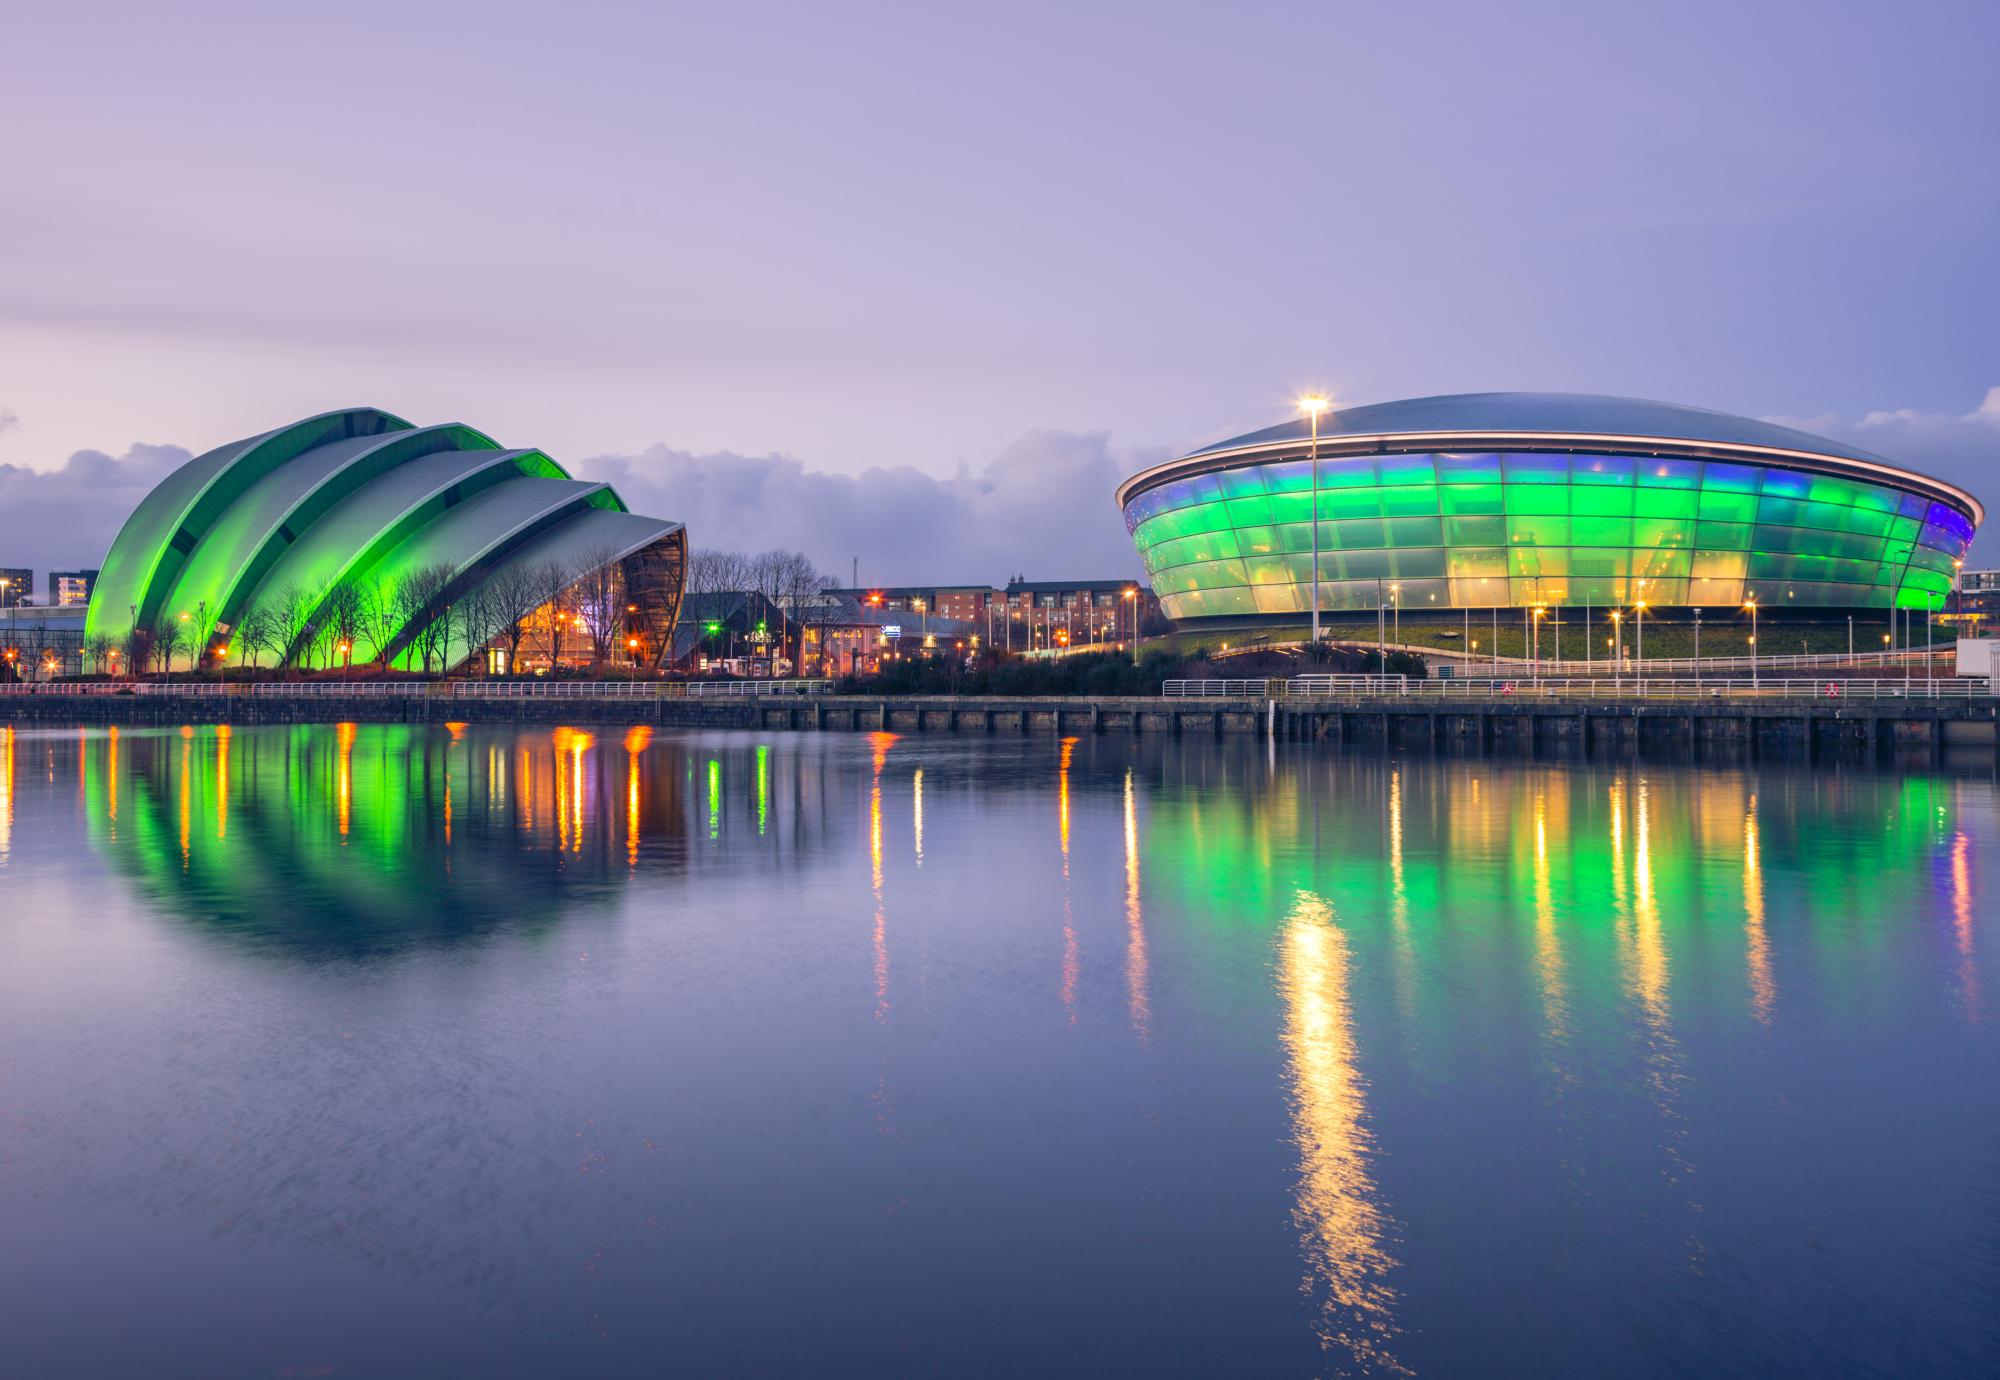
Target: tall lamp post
1751 604
1312 405
1639 632
1132 598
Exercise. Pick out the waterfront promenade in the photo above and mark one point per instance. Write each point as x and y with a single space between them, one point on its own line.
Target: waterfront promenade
1805 715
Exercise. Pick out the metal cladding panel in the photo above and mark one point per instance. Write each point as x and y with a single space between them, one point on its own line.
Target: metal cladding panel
347 534
484 523
232 545
146 557
585 537
129 564
584 540
1582 413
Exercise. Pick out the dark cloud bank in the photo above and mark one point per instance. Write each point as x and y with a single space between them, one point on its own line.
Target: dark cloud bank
1041 506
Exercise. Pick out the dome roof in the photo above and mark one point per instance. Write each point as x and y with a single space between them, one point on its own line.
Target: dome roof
1585 422
1583 414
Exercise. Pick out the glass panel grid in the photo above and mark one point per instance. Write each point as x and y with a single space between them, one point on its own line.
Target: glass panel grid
1525 527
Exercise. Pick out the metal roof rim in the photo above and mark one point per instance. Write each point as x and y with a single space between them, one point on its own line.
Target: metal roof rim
1392 442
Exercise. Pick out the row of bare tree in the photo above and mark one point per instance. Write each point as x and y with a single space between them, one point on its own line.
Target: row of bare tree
428 618
787 580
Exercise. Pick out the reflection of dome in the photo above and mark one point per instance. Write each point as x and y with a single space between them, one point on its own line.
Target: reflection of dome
1484 500
360 497
345 839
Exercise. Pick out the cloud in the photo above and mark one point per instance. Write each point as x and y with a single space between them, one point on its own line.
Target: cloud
9 419
65 518
1041 507
1961 447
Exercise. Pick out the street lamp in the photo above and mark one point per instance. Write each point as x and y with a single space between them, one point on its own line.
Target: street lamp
1312 405
1751 604
1617 641
1132 598
1639 626
1396 603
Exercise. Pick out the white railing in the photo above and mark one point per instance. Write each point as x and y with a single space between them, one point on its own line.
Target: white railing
550 689
1550 665
1677 688
725 689
328 689
1346 685
1576 688
1225 689
423 689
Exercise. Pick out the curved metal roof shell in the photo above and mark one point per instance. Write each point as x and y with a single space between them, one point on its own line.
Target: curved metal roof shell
347 496
1567 421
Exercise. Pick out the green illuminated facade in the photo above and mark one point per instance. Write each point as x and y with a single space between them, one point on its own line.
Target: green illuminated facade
360 499
1520 500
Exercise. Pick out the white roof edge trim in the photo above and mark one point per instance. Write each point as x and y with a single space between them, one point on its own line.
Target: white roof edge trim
1337 446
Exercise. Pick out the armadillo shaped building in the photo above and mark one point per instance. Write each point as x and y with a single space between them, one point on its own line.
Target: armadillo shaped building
361 498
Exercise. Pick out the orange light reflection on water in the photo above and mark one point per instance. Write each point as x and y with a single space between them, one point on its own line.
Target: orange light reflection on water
1071 965
1137 999
1345 1231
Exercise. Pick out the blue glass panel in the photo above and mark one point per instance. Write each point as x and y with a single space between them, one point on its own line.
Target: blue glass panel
1787 483
1669 474
1600 469
1536 469
1468 469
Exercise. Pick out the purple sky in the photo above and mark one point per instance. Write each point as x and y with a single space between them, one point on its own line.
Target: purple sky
949 267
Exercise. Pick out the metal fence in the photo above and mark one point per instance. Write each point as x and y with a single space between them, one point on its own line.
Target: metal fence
421 689
1579 688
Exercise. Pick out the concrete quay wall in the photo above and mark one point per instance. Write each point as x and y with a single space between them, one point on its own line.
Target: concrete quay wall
1808 724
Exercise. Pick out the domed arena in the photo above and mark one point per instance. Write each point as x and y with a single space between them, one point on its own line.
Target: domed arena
1540 500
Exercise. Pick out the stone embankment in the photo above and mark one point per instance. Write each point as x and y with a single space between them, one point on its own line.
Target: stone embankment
1805 724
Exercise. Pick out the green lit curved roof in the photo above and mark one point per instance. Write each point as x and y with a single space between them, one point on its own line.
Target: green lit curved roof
347 496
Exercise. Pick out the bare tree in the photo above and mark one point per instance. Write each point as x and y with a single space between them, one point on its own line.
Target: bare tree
797 586
718 572
99 648
419 631
292 605
478 617
599 595
167 636
258 632
340 614
556 612
375 615
511 596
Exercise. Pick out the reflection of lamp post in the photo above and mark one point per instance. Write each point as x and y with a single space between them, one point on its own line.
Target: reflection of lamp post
1312 405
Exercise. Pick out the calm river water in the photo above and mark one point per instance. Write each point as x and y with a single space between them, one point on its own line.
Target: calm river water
395 1051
